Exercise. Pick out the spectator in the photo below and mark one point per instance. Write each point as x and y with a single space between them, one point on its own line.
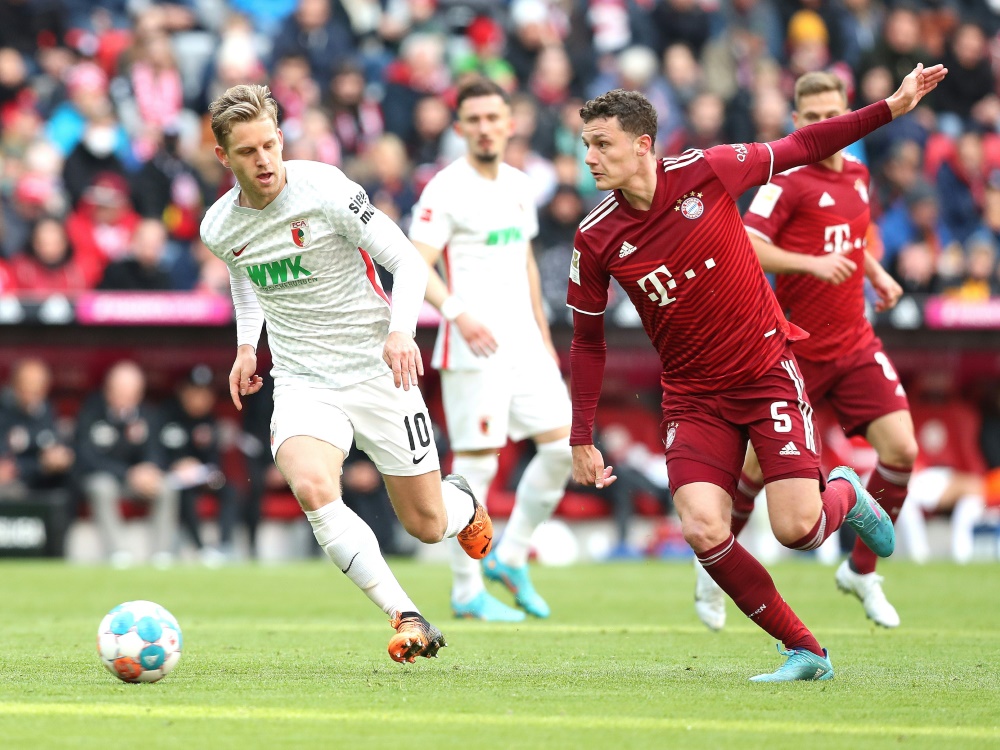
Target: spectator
117 456
533 31
900 48
681 22
862 27
190 438
168 189
357 117
294 89
35 196
961 185
312 137
390 188
419 72
980 281
431 127
35 457
705 126
315 32
485 56
915 269
101 227
47 263
915 218
93 155
971 99
141 269
87 90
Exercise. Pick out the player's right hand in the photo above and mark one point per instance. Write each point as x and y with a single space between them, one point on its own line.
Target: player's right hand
243 380
477 336
589 469
833 268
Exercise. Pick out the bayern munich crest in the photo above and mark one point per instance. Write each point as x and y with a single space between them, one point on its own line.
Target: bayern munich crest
301 235
671 433
690 205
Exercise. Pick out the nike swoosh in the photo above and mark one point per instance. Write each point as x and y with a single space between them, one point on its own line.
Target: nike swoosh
238 253
418 460
350 563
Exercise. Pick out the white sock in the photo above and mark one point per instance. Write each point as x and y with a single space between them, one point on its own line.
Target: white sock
964 517
542 486
351 544
466 573
459 507
911 526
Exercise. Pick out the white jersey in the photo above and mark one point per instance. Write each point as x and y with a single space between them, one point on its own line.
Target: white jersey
326 312
484 228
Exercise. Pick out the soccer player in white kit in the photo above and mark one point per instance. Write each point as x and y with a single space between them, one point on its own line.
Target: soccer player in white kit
300 240
499 371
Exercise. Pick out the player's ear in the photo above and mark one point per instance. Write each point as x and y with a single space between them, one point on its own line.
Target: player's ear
795 119
281 139
220 154
643 145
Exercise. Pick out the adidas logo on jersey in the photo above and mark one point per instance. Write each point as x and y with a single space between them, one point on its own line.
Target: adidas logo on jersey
789 450
627 249
826 200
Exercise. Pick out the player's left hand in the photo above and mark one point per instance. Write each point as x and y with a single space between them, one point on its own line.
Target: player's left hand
920 82
589 469
403 357
888 291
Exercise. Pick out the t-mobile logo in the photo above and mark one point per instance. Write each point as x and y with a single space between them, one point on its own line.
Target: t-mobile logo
659 291
837 239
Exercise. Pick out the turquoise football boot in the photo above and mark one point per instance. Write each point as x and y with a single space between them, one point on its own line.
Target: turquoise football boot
800 665
518 583
487 608
867 517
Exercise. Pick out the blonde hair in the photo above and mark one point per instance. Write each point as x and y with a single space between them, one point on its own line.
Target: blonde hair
243 103
818 82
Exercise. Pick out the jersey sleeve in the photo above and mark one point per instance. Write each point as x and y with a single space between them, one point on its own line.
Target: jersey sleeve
530 211
587 291
348 208
772 206
432 224
740 166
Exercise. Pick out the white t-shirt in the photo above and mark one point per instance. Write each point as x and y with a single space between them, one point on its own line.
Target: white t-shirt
326 312
484 228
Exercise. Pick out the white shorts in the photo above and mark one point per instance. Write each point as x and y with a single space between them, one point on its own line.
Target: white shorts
485 407
389 424
927 486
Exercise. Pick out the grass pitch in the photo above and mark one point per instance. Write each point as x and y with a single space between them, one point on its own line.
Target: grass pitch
282 657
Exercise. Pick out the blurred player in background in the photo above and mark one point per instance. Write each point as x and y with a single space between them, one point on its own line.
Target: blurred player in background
672 236
301 240
809 225
499 371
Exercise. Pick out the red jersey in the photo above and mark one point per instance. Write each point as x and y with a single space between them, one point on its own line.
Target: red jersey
814 210
689 269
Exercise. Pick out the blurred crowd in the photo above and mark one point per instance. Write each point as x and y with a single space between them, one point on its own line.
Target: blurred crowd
107 164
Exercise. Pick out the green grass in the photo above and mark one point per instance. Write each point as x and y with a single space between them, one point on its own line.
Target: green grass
282 657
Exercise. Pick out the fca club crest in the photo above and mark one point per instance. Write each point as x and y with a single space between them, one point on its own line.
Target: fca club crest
300 233
668 439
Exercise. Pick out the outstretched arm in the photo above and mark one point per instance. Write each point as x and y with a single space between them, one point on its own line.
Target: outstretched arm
823 139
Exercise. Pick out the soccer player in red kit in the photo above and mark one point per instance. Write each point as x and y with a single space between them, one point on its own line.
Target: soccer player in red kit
809 226
671 235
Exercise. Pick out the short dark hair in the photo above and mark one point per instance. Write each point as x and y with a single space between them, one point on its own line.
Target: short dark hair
634 112
480 87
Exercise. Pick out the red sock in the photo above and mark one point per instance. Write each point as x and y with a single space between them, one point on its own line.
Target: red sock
838 498
746 491
887 485
750 586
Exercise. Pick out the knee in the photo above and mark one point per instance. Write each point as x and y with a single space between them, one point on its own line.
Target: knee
901 453
314 489
789 530
429 528
702 533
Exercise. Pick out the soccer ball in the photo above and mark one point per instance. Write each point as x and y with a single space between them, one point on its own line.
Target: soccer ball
139 642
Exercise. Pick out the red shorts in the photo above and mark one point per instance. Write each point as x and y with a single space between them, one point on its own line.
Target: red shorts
705 436
860 387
